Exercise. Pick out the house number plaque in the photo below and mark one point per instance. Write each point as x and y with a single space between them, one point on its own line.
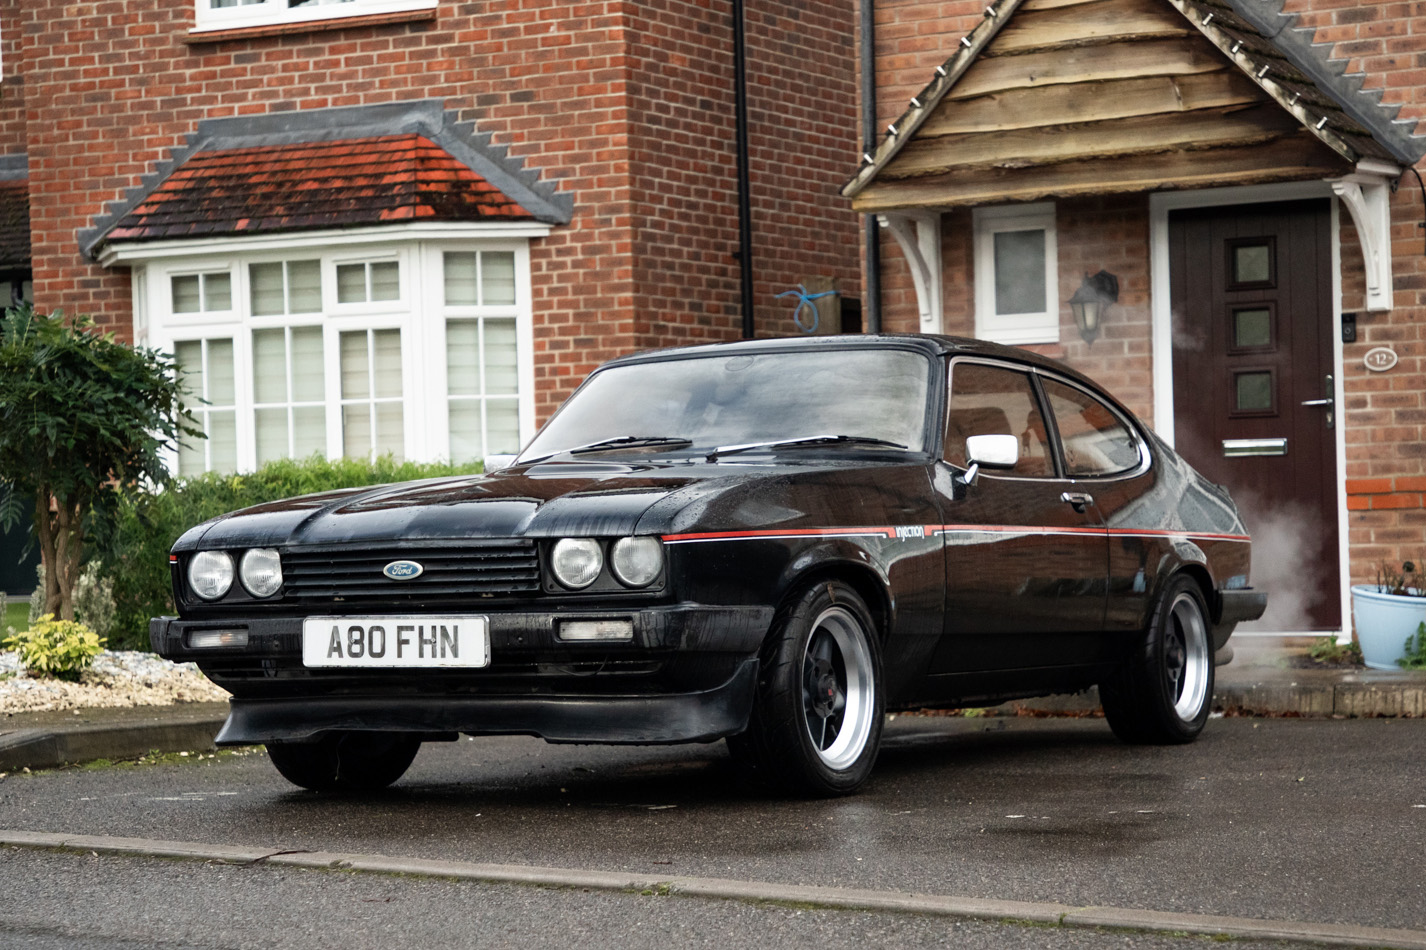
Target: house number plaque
1380 359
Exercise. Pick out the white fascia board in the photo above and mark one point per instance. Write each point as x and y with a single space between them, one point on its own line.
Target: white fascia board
141 252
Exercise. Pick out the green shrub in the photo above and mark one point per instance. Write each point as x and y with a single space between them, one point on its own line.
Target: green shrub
93 598
59 648
133 544
1414 657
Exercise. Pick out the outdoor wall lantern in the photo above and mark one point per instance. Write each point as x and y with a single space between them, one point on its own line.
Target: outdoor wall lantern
1091 300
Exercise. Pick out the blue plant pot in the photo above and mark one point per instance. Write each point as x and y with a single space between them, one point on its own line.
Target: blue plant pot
1383 623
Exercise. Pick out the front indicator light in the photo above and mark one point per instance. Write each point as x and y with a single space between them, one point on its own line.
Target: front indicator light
261 572
576 562
637 562
212 639
597 630
210 574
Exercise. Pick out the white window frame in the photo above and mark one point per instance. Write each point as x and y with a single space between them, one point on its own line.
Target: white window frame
420 315
277 12
1015 328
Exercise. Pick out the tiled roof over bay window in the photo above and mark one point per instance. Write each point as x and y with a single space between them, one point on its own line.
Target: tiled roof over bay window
329 169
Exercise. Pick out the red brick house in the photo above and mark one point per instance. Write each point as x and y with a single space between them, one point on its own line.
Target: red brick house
1247 174
414 225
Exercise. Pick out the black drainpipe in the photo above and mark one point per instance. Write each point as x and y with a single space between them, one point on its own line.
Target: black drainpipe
745 204
873 230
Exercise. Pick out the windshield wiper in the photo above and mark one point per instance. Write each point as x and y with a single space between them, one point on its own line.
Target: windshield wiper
803 441
619 442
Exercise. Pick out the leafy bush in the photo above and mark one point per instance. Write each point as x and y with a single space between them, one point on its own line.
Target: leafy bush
1414 653
93 598
133 546
59 648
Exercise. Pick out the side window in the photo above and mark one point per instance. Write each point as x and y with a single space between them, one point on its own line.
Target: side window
993 400
1016 274
1096 441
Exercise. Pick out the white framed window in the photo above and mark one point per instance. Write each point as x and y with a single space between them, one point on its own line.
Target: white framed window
422 349
1016 274
233 14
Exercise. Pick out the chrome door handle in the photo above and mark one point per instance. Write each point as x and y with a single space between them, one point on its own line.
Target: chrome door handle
1078 499
1329 402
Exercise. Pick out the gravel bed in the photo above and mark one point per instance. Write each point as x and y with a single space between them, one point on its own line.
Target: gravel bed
117 678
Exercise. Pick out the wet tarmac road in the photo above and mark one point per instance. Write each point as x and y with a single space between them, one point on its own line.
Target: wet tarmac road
1320 821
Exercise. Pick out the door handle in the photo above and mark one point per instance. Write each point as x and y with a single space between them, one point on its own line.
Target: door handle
1078 499
1329 401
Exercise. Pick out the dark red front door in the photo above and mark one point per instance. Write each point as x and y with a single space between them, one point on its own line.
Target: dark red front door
1252 364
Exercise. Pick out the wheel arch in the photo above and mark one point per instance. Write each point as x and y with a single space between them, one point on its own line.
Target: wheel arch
870 587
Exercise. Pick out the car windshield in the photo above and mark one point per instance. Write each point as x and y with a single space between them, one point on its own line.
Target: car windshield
698 404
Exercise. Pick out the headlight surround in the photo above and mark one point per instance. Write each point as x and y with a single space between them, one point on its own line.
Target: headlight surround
261 572
637 562
210 574
577 562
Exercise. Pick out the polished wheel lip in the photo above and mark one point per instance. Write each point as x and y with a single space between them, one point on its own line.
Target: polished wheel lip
1187 659
840 726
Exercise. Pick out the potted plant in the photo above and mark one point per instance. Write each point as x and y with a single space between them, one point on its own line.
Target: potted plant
1388 613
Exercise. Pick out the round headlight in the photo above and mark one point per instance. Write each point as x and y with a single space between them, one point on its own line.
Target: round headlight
577 562
261 572
210 574
637 561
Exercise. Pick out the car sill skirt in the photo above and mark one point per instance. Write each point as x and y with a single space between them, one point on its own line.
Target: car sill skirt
623 720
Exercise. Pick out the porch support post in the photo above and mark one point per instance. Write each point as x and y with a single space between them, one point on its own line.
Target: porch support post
919 234
1367 195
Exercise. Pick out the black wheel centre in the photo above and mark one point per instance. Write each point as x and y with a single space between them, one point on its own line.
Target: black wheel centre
824 689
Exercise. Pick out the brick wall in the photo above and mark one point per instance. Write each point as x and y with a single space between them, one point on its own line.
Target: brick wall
12 89
627 104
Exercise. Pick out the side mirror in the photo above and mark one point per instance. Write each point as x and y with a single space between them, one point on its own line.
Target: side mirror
991 451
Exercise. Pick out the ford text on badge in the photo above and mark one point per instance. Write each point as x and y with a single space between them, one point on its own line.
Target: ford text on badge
395 642
403 570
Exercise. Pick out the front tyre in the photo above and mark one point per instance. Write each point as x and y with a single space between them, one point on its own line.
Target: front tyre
1165 691
345 761
816 721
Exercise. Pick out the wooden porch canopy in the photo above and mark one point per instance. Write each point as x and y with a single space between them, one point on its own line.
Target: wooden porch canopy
1055 98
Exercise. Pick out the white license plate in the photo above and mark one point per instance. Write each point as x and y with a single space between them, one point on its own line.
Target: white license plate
402 642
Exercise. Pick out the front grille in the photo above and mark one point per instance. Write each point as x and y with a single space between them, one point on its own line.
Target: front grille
491 568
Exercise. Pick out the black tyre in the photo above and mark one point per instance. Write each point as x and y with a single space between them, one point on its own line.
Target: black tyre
816 721
1165 690
345 761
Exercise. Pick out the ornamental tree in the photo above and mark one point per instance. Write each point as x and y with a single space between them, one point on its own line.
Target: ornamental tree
81 417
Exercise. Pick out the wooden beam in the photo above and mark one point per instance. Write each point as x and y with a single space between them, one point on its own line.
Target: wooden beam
1128 60
1109 141
1072 26
1115 99
1297 157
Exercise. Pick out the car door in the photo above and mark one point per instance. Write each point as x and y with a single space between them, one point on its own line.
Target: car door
1026 556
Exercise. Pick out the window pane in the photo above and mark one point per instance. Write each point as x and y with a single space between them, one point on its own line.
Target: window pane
187 297
463 358
351 283
502 417
222 387
309 431
1020 272
189 357
304 287
1095 441
498 272
265 282
217 292
1255 392
386 281
356 383
271 434
308 375
223 441
501 375
387 360
356 431
1251 264
989 400
465 430
1252 328
191 459
269 366
390 433
461 289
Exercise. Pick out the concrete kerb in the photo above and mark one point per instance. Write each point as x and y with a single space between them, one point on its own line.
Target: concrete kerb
831 898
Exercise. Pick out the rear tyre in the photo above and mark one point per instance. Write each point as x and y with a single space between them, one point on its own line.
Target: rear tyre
1165 691
816 721
345 761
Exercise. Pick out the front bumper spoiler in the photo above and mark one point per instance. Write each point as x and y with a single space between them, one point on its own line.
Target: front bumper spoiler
701 716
